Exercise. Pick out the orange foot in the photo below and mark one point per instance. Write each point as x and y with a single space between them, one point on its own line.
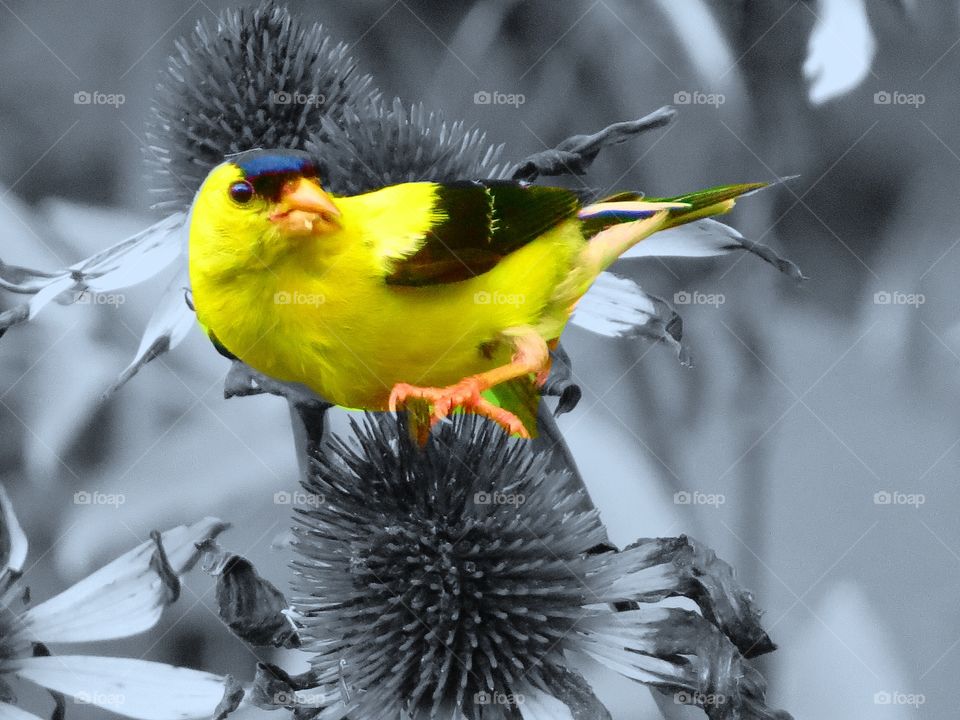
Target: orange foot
465 394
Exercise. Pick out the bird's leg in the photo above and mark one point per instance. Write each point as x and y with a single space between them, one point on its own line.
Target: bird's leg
530 355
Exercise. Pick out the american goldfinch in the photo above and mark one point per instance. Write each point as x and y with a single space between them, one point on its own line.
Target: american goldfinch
448 294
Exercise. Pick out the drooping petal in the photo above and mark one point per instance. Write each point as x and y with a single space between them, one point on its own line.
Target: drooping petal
617 307
122 598
47 295
13 544
705 238
128 262
167 327
135 259
653 569
135 688
680 651
12 712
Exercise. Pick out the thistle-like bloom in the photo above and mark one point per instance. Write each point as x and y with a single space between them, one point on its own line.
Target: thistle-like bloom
257 78
461 580
121 599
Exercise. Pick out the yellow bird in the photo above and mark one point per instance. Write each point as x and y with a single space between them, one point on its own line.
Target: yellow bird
450 294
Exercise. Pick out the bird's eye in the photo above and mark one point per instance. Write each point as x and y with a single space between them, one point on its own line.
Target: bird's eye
241 192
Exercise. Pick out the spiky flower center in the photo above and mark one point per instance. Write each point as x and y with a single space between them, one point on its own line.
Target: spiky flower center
464 595
441 581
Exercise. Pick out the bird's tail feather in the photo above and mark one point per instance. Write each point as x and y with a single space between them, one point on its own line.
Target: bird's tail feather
617 223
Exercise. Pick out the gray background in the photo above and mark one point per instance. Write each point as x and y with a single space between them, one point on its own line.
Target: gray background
805 402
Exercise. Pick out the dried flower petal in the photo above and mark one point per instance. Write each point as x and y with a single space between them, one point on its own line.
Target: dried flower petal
249 605
126 263
575 154
167 327
705 238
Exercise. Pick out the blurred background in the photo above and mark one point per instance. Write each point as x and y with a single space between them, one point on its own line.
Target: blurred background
815 443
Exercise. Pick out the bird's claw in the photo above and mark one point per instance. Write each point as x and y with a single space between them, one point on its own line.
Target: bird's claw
466 394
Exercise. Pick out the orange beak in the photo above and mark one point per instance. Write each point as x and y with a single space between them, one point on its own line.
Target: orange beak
305 209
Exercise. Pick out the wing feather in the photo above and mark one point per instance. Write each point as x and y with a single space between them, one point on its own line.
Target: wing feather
475 224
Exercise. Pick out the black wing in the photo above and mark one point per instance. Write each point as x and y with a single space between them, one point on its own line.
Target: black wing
483 221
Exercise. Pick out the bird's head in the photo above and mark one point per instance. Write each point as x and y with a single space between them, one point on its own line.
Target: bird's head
270 197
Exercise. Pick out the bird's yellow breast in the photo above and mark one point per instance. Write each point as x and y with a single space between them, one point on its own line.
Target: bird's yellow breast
322 314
